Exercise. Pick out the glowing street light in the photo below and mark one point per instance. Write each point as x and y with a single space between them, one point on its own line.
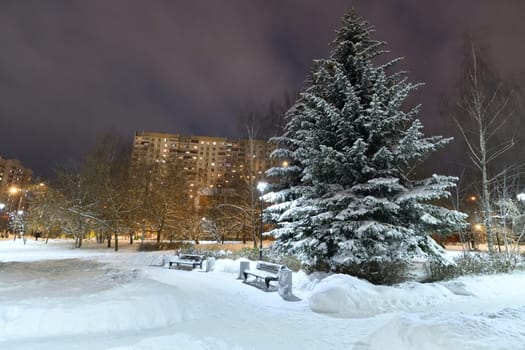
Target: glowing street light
14 190
261 186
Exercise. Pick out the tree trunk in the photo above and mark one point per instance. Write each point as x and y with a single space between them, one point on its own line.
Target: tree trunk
254 235
486 198
116 241
131 238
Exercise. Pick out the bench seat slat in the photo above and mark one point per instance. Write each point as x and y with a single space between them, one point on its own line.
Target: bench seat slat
260 273
267 271
188 259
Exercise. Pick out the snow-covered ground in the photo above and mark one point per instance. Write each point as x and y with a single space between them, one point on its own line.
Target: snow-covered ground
55 297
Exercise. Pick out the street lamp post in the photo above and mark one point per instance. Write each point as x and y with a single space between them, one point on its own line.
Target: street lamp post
261 186
2 227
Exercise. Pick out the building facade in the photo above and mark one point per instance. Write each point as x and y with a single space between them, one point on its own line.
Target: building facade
206 163
14 180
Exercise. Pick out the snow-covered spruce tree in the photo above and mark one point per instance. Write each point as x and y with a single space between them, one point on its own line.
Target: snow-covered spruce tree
345 202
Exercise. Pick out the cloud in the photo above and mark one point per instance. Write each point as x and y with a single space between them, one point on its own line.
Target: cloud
70 71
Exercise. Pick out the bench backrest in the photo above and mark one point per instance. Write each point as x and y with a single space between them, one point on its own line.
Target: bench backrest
191 257
269 267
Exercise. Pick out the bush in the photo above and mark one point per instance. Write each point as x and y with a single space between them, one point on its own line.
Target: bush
290 262
479 263
471 264
248 253
215 253
376 272
183 247
436 271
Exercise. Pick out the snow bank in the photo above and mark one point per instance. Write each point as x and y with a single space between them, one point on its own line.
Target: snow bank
182 341
347 296
437 331
114 310
229 265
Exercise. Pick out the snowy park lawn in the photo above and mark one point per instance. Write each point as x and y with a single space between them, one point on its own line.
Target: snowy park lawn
55 297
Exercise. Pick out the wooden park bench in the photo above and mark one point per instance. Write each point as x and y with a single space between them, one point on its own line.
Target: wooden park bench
189 260
265 271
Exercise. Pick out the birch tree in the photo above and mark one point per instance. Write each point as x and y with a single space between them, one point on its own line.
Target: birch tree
483 110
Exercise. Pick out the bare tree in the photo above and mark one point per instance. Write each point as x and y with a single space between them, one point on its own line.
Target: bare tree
243 210
270 122
510 218
483 110
44 211
74 202
93 194
106 171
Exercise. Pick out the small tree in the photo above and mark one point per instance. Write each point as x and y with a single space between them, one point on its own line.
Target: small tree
509 215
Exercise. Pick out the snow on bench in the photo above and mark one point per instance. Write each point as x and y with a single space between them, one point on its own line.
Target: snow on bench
266 271
188 260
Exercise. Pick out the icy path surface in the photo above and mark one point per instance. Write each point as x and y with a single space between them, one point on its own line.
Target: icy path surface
55 297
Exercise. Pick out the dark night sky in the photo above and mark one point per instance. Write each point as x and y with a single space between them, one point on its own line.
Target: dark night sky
72 70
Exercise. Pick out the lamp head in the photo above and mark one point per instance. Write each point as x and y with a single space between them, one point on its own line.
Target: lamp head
261 186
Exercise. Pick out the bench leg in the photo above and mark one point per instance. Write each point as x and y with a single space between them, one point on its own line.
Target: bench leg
267 282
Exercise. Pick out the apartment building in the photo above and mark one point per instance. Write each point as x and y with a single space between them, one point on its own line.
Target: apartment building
207 163
14 177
